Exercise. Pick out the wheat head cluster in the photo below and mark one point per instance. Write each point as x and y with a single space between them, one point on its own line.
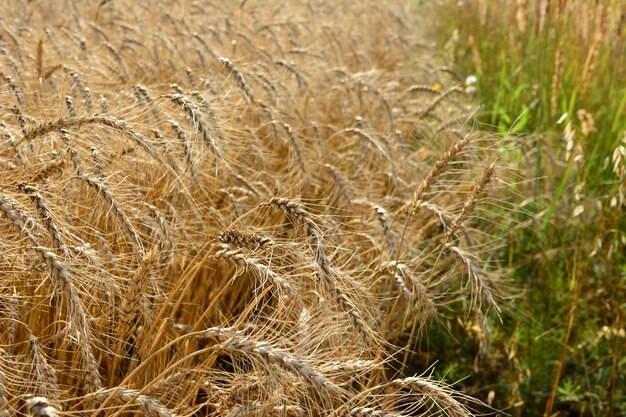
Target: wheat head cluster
233 209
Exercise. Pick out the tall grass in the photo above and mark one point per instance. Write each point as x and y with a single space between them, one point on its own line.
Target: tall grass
235 208
552 72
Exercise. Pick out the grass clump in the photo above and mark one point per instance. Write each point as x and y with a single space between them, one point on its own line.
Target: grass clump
552 73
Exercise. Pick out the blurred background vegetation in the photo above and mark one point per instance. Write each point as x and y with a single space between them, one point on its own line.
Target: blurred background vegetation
552 73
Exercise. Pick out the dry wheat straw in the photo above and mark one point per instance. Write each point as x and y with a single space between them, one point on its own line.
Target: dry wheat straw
26 225
19 95
84 90
104 106
71 109
385 224
291 67
164 226
436 102
135 305
341 182
97 161
295 141
208 109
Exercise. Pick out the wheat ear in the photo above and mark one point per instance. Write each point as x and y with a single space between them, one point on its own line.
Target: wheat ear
434 172
184 139
194 113
45 375
4 404
244 239
232 340
105 193
150 406
40 407
474 272
366 412
237 257
75 122
438 393
472 200
79 321
241 81
46 216
299 216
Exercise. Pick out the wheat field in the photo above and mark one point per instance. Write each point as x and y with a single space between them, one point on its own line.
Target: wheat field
235 209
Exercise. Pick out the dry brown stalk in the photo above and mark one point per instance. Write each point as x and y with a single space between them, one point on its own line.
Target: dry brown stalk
590 60
520 15
4 411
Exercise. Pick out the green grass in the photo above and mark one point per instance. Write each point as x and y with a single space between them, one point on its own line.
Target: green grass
560 261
